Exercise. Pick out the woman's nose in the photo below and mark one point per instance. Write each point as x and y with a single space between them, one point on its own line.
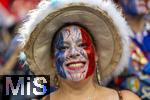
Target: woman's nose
74 52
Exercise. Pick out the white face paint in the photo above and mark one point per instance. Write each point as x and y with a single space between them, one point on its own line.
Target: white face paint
141 6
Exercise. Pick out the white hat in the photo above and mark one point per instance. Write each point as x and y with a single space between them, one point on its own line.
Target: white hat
100 17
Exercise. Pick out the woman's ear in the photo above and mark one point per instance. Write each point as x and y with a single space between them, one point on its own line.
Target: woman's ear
53 64
53 61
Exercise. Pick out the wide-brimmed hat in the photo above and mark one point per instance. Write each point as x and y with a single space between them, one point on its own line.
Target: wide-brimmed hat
100 17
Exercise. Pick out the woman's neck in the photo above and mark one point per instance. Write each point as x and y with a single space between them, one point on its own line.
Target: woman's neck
136 23
74 89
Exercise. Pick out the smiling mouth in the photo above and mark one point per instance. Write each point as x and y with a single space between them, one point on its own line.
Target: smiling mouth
75 65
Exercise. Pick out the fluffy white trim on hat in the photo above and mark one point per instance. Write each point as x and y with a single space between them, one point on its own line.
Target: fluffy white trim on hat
45 7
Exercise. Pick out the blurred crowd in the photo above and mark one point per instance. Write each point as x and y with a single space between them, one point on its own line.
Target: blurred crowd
12 60
136 76
11 13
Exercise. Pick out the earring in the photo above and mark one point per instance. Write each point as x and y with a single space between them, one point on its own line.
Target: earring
56 80
98 75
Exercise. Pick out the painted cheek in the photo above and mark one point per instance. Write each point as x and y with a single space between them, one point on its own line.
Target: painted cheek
59 56
91 57
90 52
59 60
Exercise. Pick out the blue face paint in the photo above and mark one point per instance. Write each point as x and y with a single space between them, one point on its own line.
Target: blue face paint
59 55
129 7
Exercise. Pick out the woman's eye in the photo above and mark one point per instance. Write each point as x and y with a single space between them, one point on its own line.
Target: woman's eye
63 48
83 45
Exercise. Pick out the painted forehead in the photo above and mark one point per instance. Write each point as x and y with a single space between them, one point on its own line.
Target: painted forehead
74 33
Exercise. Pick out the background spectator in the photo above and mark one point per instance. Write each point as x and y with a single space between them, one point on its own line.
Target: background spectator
137 76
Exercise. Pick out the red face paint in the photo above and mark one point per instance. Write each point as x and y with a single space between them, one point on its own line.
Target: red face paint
90 52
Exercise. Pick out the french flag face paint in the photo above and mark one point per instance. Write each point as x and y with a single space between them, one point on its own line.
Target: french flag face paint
134 7
74 53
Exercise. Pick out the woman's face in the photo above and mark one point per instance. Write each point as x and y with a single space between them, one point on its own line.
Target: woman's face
74 53
135 7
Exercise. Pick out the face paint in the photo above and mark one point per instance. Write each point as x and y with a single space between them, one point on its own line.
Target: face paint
134 7
74 53
142 7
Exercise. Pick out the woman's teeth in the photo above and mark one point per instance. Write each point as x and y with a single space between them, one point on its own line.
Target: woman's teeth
76 65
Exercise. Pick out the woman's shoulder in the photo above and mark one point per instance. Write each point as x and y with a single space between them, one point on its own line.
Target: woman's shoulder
118 95
128 95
